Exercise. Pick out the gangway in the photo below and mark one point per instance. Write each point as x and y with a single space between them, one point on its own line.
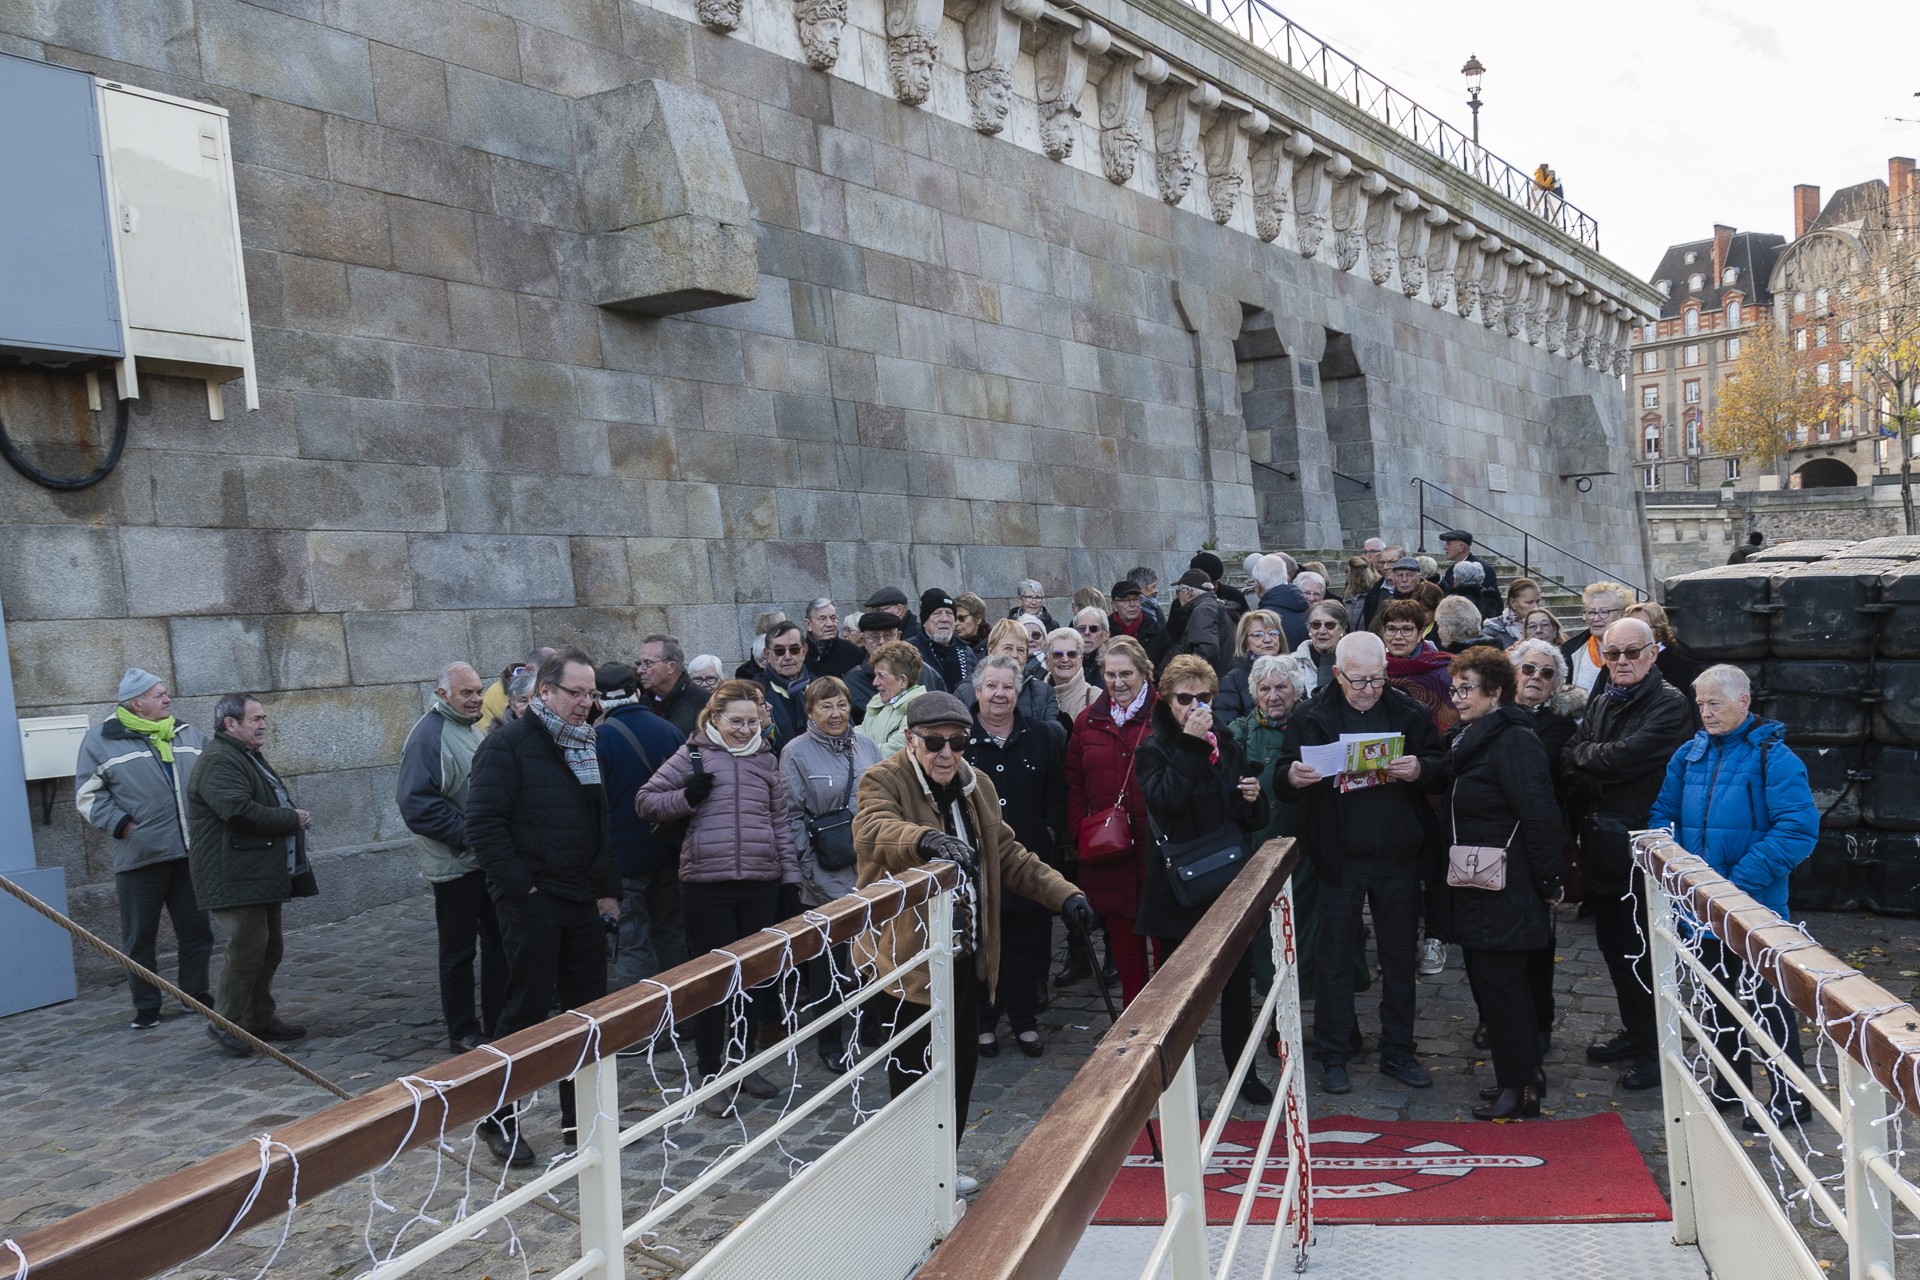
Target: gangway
873 1194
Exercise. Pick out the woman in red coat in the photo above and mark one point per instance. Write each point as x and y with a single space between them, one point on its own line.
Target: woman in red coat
1099 768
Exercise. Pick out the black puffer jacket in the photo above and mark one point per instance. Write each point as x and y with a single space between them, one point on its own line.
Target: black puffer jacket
1501 793
530 822
1029 774
1188 798
1617 758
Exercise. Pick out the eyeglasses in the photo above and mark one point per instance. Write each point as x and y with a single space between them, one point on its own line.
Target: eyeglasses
1404 633
1364 682
1464 690
1089 630
1262 634
1320 626
706 682
577 694
1188 699
1528 669
1631 655
1601 613
1064 655
786 651
936 743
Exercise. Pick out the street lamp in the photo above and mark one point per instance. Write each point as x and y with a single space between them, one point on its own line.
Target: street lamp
1473 71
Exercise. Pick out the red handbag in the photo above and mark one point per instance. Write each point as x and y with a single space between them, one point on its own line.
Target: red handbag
1108 834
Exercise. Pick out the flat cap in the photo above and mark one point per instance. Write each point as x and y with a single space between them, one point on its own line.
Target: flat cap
885 596
1457 535
1195 578
937 708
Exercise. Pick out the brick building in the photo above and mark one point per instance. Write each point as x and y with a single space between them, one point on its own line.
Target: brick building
1715 289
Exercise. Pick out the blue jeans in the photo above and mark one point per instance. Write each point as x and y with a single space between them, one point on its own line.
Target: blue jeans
653 933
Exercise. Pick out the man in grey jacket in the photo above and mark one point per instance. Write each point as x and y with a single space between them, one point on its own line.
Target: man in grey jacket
131 782
432 795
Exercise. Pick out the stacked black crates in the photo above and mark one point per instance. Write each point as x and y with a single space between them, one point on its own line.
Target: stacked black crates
1829 632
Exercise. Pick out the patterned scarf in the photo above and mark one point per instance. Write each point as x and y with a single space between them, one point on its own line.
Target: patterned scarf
575 742
1620 692
1122 715
158 732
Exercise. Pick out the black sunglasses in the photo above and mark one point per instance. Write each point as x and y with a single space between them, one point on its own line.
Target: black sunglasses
1187 699
936 743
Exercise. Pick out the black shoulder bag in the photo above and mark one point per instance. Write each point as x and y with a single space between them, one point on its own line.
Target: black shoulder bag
830 834
1200 870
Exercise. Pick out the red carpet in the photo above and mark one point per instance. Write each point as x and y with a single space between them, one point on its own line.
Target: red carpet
1584 1170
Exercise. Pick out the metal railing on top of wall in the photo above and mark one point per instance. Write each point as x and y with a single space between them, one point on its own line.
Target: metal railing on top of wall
1527 538
1267 29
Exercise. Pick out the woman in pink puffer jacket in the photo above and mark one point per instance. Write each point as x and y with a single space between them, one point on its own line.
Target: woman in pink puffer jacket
737 862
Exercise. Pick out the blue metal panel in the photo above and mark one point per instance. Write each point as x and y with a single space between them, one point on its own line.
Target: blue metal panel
58 298
36 956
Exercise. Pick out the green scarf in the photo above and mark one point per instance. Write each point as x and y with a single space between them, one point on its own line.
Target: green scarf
158 732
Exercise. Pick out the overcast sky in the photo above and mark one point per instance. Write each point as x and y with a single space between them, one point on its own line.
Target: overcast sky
1662 117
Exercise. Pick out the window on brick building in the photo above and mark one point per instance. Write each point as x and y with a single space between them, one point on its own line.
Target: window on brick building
1820 301
1733 348
1689 258
1650 476
1691 391
1731 276
1819 335
1846 373
1799 339
1799 304
1696 282
1649 362
1694 435
1823 373
1733 310
1690 355
1846 330
1691 322
1650 396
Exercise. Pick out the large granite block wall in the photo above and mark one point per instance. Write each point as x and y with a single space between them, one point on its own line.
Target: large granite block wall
966 363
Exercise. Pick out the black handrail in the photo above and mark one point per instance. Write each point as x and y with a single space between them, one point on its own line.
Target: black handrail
1294 476
1527 539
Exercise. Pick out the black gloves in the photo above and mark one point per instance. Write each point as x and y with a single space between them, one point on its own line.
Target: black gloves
1078 913
790 904
699 787
938 846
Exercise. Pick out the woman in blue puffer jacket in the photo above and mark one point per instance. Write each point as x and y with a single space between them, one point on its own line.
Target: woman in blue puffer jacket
1738 797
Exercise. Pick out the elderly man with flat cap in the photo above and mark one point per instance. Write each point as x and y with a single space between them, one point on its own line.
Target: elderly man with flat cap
894 601
924 804
1457 546
1201 624
131 782
1130 618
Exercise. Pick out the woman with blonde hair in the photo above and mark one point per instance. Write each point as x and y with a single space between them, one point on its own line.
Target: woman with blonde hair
896 683
738 865
1679 668
1258 634
970 622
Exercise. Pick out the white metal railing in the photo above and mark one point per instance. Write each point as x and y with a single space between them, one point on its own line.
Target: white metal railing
1266 28
1830 1181
1189 1157
897 1163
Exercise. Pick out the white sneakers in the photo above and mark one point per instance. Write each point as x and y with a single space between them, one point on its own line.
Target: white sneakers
966 1186
1432 957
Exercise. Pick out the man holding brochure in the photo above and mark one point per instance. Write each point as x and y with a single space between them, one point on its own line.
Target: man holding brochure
1363 757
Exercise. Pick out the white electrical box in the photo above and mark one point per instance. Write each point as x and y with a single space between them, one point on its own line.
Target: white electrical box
176 236
51 745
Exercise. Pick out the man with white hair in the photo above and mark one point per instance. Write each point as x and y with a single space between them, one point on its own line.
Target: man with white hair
1738 797
435 765
1613 769
827 653
1091 625
1274 576
1369 836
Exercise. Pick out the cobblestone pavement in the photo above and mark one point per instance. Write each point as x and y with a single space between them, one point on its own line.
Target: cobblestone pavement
91 1108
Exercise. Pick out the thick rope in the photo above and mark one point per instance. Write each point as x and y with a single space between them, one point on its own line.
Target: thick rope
147 975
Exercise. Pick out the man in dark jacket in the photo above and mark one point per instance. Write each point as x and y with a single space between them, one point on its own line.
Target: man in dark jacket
937 642
247 850
632 742
894 601
1613 769
1457 546
1278 595
1742 554
786 679
1401 582
1230 596
131 783
1369 845
880 627
435 767
1130 618
666 690
827 653
1201 622
539 824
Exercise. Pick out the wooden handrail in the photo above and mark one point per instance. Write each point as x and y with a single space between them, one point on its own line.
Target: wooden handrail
176 1218
1886 1043
1027 1223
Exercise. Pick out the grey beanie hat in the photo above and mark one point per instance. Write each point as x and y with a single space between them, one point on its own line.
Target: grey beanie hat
937 708
136 682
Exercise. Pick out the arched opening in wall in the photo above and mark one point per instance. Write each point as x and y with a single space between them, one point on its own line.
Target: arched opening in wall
1825 473
1343 388
1265 373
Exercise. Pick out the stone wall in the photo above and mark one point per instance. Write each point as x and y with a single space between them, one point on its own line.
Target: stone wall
1698 531
967 361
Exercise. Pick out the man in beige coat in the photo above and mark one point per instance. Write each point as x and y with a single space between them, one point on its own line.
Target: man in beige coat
925 804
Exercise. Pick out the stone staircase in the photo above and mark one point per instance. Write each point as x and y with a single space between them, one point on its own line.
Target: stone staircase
1563 604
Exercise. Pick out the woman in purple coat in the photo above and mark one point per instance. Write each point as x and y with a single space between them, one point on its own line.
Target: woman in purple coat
737 863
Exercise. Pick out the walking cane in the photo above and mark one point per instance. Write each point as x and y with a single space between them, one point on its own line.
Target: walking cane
1113 1017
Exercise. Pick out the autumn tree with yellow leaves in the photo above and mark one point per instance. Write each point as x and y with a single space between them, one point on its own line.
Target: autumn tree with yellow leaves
1760 411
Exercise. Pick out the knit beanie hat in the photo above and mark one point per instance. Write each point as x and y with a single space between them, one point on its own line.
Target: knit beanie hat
135 683
932 599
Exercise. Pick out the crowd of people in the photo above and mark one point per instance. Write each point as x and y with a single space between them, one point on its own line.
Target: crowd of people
1453 765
